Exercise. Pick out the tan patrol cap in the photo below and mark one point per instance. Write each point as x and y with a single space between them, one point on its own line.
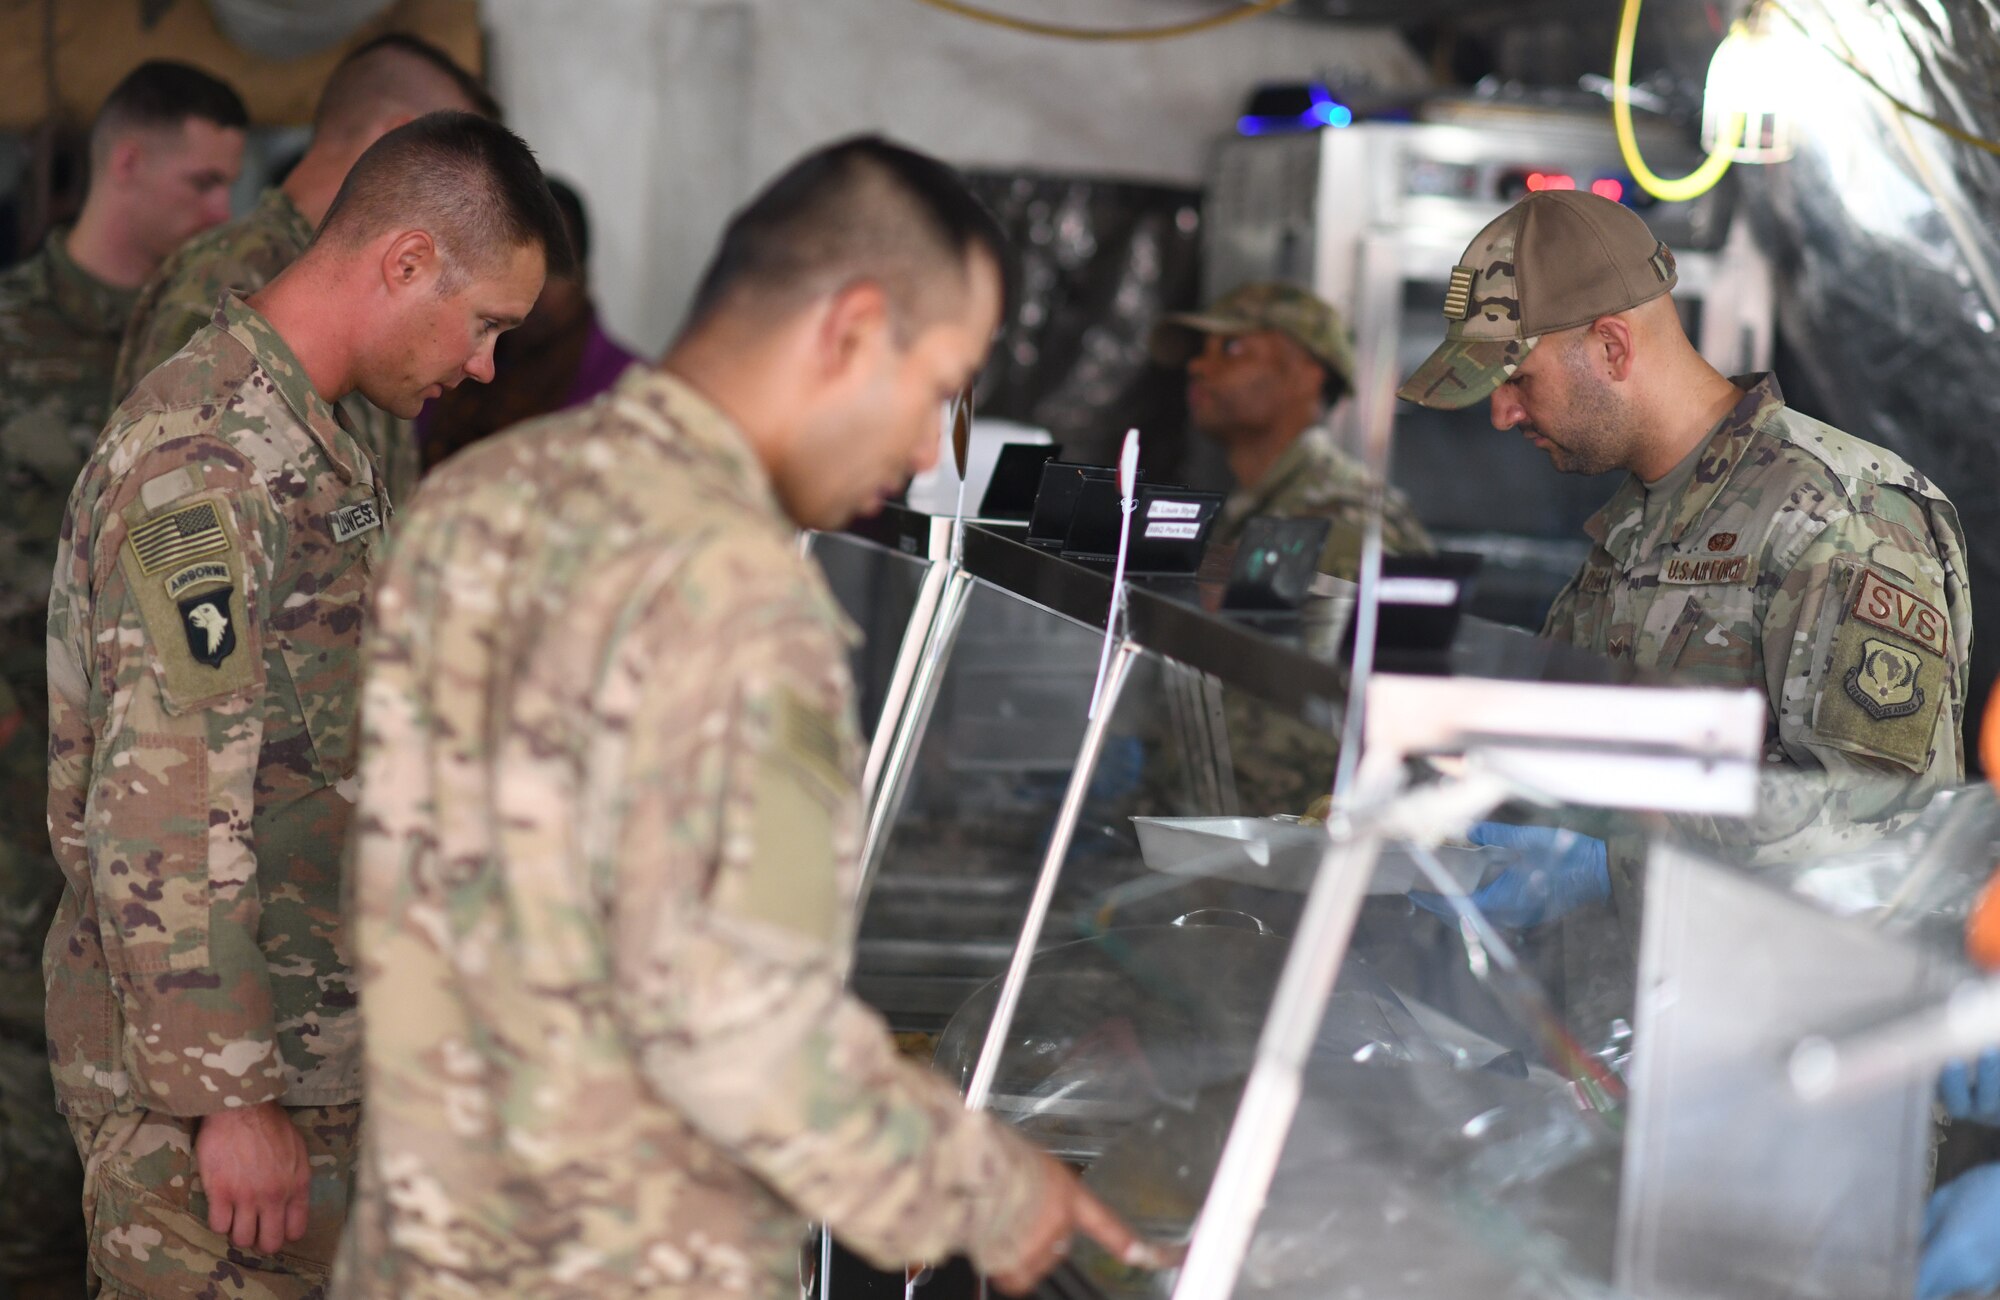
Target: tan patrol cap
1554 261
1306 319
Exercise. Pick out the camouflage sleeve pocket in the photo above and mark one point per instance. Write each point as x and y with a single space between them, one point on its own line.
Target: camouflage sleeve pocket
151 875
1884 681
788 874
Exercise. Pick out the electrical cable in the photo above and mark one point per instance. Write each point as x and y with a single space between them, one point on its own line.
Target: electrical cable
1697 182
1062 31
1907 109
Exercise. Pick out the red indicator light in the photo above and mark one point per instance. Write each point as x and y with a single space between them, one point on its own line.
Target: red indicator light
1608 189
1538 181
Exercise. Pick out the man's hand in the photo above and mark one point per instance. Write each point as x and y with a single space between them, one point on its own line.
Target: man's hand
254 1167
1558 871
1962 1237
1063 1210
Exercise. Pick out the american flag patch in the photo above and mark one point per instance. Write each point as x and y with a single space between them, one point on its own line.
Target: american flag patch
1458 298
179 537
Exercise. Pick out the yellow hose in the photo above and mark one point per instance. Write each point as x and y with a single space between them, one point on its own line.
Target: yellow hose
1697 182
1062 31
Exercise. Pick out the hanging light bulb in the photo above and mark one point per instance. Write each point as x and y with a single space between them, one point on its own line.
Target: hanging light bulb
1752 95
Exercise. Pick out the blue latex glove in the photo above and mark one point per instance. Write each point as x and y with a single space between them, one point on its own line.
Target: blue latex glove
1962 1237
1121 764
1973 1093
1559 871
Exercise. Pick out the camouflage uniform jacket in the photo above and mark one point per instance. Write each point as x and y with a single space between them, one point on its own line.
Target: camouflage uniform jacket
1819 569
1315 479
59 329
604 880
244 256
204 641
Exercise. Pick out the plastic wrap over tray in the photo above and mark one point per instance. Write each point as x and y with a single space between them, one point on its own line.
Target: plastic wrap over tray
1284 853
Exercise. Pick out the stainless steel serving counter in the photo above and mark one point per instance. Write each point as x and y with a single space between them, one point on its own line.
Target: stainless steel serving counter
1261 1045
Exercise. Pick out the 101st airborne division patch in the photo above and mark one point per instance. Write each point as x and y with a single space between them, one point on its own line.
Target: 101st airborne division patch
185 574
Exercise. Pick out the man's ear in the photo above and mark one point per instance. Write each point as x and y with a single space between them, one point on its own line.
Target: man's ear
411 260
855 320
126 156
1302 368
1616 342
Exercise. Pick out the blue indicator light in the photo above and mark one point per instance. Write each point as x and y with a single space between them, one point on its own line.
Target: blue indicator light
1324 111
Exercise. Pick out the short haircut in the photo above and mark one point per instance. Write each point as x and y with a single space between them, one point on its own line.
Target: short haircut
472 184
861 209
395 73
161 94
575 223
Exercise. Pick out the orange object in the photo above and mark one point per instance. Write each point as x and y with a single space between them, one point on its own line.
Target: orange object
1982 928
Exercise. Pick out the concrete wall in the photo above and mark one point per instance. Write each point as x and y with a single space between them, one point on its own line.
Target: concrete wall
669 113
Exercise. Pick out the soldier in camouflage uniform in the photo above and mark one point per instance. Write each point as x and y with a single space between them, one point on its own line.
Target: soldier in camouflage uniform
1751 546
165 147
374 90
607 850
1266 364
204 635
41 1182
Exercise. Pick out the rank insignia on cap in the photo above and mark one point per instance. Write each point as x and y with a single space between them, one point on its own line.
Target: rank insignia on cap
211 637
1884 683
1722 542
1458 298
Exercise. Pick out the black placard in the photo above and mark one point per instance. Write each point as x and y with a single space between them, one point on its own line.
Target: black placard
1016 481
1275 563
1056 499
1170 529
1093 524
1422 597
1170 526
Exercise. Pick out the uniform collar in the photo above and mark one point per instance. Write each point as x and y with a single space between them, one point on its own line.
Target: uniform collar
242 322
277 207
688 425
1617 526
1312 448
92 305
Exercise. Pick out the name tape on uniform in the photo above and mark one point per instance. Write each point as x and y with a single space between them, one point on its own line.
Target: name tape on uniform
1695 573
1889 607
352 521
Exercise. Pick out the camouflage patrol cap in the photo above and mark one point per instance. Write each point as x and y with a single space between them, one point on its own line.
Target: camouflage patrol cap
1260 305
1556 260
